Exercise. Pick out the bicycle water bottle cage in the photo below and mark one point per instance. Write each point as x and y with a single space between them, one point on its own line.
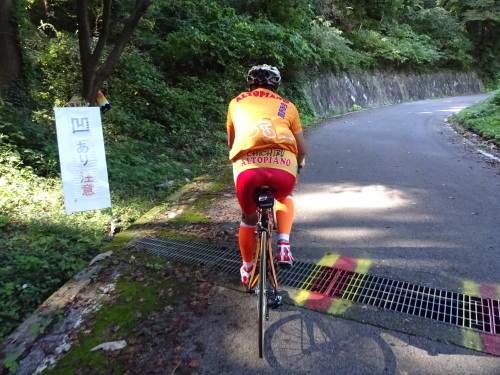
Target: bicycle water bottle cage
263 198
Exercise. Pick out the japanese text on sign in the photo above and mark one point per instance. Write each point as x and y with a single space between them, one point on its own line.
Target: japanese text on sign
82 158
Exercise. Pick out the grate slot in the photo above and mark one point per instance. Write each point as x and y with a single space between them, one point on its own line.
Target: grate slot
495 307
296 276
471 312
352 289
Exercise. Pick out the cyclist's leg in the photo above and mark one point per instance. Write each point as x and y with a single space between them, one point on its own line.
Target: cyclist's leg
285 212
282 184
246 233
246 238
284 216
246 241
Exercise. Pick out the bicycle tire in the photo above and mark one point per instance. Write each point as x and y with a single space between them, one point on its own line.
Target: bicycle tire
262 293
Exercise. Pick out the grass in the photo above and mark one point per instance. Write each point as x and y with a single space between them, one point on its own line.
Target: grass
482 118
42 247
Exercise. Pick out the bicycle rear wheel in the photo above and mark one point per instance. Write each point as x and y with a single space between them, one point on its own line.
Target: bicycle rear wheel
262 293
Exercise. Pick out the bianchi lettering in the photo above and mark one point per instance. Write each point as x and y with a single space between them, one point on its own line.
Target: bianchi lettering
282 110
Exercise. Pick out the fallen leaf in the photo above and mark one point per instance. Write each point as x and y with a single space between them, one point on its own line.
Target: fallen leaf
194 363
100 257
204 285
112 345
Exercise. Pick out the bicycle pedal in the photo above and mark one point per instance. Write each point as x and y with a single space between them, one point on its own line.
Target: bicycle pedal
276 305
276 300
285 266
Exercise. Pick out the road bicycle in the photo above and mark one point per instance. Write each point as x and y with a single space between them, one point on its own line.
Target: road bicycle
263 280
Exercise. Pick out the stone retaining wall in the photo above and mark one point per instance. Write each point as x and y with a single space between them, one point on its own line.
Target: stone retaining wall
343 91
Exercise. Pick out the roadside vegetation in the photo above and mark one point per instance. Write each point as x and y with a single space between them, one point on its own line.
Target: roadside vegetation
169 93
482 119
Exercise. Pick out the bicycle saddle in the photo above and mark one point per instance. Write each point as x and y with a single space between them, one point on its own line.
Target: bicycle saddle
263 197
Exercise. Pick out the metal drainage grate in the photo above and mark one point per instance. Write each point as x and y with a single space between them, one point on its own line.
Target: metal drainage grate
459 309
441 305
190 252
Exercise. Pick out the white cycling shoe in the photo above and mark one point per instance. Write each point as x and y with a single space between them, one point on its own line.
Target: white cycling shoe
284 255
245 274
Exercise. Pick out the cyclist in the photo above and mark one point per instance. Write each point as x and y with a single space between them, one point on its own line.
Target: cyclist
267 147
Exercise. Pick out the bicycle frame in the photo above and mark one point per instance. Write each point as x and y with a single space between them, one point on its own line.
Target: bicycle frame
263 280
265 225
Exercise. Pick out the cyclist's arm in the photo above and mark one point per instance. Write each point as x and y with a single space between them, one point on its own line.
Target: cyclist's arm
230 129
301 147
230 138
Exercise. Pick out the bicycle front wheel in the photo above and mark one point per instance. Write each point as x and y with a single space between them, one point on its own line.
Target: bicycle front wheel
262 293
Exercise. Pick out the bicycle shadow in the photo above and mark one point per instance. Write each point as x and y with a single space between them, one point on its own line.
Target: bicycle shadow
300 340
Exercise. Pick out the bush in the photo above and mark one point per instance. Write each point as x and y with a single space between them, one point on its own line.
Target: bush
401 47
445 33
483 118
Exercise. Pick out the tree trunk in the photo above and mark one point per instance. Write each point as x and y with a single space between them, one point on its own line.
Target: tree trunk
10 59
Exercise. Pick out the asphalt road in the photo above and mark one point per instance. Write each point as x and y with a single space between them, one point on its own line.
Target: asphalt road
398 188
393 192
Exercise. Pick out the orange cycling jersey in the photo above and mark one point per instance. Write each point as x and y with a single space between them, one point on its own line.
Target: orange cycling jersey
262 120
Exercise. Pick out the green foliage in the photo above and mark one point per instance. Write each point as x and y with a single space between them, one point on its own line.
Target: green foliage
481 19
445 34
10 362
331 49
28 139
483 118
217 39
41 246
355 108
295 14
383 9
401 47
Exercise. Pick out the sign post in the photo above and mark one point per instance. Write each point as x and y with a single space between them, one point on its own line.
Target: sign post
82 158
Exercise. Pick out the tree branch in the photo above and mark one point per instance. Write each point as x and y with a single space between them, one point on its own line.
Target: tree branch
94 75
82 16
106 68
104 34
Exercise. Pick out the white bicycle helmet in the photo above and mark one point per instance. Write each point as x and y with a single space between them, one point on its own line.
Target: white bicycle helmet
262 74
